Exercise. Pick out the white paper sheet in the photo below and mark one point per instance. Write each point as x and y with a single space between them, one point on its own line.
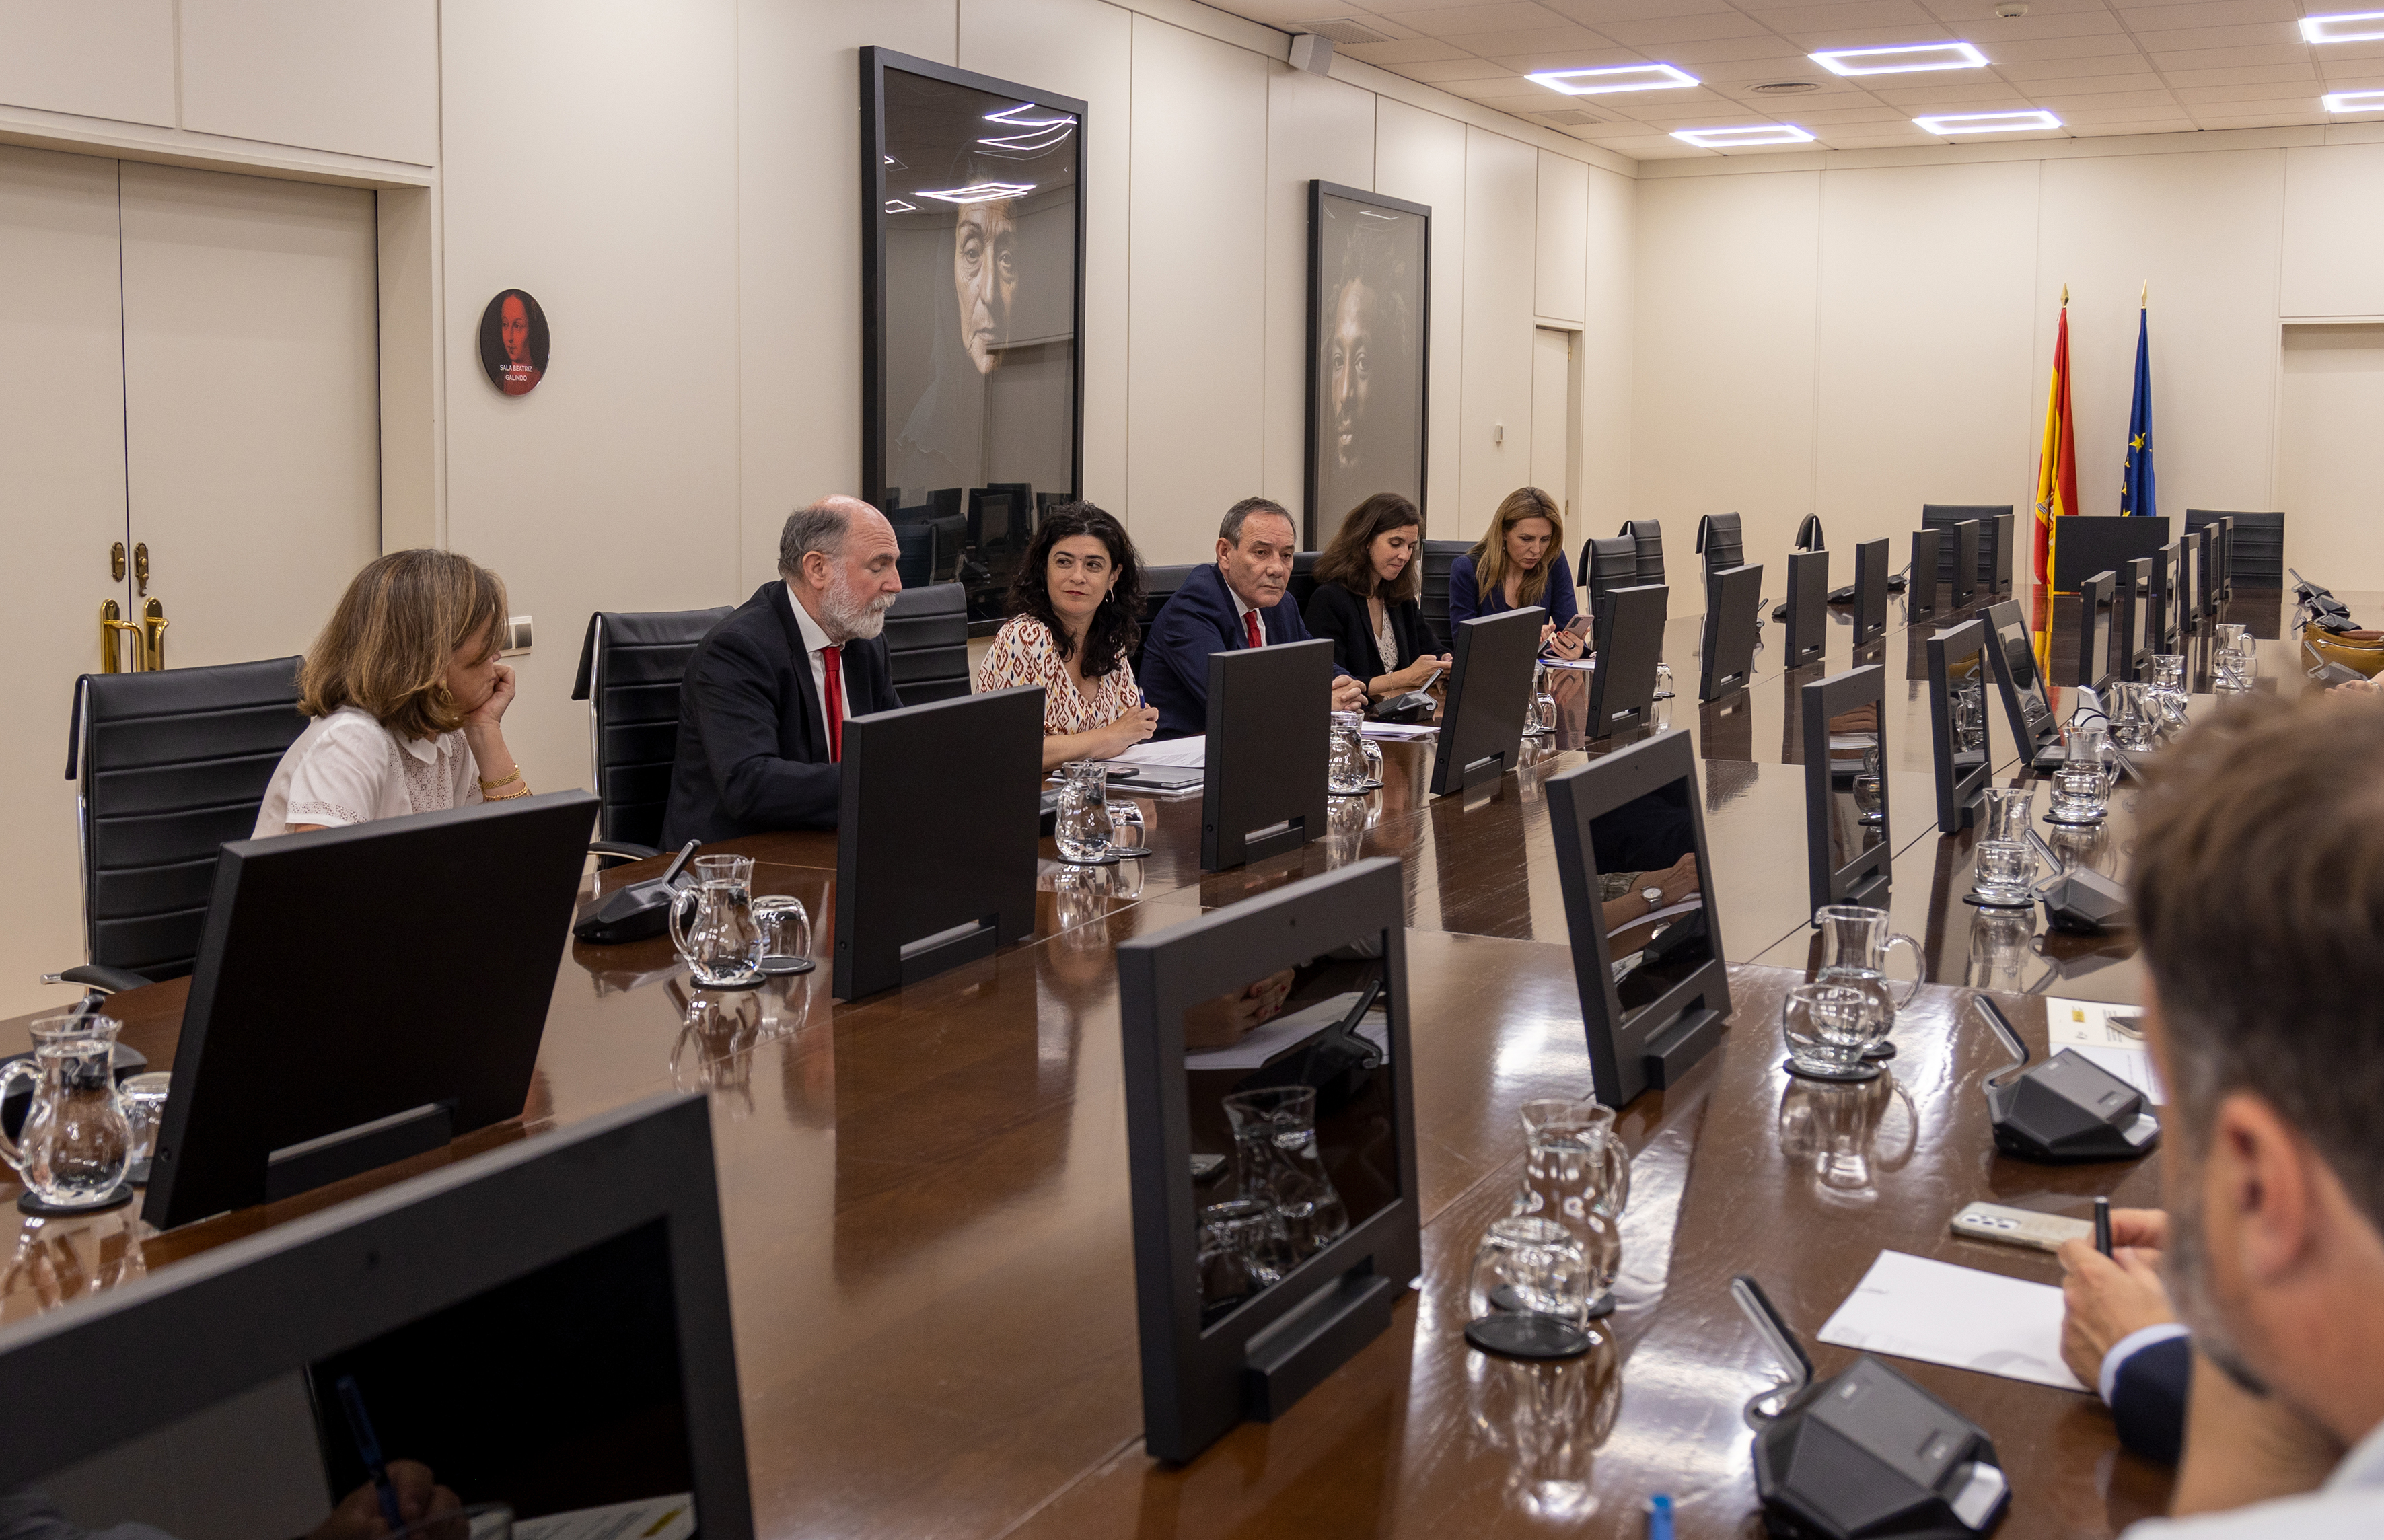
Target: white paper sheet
671 1518
1190 752
2087 1025
1286 1031
1397 732
1912 1308
1584 664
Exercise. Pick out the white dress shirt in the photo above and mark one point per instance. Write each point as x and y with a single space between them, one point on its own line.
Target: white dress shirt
815 638
2349 1507
1241 609
347 768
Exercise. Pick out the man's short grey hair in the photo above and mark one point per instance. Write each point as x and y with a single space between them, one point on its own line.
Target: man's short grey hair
1230 532
822 527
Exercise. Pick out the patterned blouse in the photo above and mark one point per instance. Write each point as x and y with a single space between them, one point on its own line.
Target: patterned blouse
1024 654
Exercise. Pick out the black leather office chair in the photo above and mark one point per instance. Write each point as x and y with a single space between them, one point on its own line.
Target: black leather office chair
1609 565
170 766
926 644
1648 535
1810 536
630 666
1722 542
1159 586
1944 515
1303 578
914 560
1438 557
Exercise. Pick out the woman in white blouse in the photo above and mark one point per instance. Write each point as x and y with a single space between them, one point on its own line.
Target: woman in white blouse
407 697
1076 608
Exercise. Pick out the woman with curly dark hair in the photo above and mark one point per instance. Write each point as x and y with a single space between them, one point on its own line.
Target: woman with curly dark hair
1076 608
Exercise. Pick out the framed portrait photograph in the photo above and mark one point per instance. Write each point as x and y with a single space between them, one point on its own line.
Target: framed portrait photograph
514 343
1369 313
972 296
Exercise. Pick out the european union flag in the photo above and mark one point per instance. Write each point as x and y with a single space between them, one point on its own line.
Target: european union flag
2136 476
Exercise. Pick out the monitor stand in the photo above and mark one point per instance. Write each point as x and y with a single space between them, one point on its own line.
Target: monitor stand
1674 1050
328 1158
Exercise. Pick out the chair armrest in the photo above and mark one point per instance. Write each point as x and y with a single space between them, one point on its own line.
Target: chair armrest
107 981
620 849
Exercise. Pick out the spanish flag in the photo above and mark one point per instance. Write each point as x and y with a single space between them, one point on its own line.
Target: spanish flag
2056 464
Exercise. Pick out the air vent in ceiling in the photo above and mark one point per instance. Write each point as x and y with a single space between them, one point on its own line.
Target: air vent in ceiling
1784 88
1342 29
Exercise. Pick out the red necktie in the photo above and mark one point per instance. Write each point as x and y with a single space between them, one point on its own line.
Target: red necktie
832 669
1250 620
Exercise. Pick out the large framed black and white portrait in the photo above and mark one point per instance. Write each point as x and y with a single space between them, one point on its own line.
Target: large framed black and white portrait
1369 313
972 243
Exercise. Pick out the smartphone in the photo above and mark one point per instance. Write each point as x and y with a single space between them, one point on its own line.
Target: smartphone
2021 1227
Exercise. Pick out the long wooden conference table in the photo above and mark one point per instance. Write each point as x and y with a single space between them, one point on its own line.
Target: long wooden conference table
928 1218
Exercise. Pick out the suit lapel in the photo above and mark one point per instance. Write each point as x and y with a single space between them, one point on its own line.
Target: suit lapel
782 605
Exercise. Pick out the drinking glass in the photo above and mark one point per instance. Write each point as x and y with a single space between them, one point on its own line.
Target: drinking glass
1829 1024
1577 1172
1529 1291
1082 826
1345 766
1276 1159
1540 718
74 1146
1243 1250
2004 812
786 927
2003 873
712 924
144 1114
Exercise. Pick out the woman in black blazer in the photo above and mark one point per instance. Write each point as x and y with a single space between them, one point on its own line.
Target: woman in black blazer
1365 598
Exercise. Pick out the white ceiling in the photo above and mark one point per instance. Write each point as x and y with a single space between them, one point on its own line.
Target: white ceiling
2101 66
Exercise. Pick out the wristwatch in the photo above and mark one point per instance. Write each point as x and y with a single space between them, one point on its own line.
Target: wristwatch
1653 897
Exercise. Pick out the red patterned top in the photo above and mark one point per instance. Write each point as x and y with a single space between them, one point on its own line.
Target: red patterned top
1024 654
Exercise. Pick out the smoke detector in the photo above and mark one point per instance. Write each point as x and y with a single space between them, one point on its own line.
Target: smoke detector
1783 88
2011 10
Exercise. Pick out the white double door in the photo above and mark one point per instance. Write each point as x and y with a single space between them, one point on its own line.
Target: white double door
189 369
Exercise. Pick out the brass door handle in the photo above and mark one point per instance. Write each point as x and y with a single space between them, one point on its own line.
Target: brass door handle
111 621
141 566
152 627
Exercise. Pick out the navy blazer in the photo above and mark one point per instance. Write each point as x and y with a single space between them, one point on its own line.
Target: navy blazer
752 745
2148 1398
1468 601
1198 619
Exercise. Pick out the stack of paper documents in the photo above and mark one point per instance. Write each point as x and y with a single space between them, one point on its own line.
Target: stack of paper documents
2112 1036
1912 1308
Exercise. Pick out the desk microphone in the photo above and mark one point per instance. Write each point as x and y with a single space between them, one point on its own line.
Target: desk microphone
2066 1108
636 912
2079 900
1867 1454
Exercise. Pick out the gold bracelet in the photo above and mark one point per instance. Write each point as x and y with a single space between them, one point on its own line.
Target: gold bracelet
487 784
508 796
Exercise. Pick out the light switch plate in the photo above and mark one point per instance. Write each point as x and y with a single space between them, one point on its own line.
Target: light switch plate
517 635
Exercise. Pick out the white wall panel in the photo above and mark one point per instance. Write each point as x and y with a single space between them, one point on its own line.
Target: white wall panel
1420 156
1606 402
1501 198
2334 227
1196 378
2204 230
1925 385
2330 458
101 58
1561 275
1726 303
603 182
1315 128
1084 49
357 79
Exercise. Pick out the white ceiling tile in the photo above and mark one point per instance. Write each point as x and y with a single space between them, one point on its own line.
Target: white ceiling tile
1815 39
1433 73
2267 119
2101 45
1990 97
1563 59
2087 117
1682 29
1809 116
1423 50
1714 50
2211 13
2251 75
1448 21
1529 40
2262 97
2042 71
2053 93
2225 58
1803 15
2089 100
1977 13
2094 23
1797 68
1596 13
2262 34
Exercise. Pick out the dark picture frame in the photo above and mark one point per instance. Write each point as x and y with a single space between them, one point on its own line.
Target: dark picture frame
931 428
1339 266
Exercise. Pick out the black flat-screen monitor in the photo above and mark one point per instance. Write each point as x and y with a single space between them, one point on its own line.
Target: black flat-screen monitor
1733 598
1270 1142
1848 855
927 878
1966 562
1920 583
2169 599
1630 636
2132 619
543 1328
1808 606
2222 578
1870 591
2091 662
1653 988
1961 750
1489 691
364 994
1263 777
2011 647
2192 552
2004 529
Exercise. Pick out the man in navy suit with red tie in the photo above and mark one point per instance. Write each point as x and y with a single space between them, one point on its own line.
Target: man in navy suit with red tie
1239 603
762 705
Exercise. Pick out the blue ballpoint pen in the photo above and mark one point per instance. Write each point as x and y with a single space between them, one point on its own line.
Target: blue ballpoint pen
1660 1517
360 1428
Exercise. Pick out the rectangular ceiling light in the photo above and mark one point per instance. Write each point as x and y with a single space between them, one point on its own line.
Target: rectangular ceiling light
1900 61
2363 27
2356 101
979 193
1739 139
1960 123
1627 77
